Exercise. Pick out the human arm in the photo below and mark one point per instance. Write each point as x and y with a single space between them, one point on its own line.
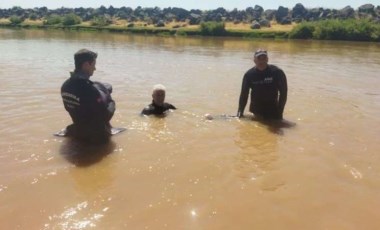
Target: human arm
172 106
243 96
283 89
105 91
146 111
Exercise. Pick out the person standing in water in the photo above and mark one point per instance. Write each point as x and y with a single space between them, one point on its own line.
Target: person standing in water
268 86
158 105
89 104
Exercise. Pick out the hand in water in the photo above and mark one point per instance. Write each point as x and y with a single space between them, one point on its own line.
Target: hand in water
240 114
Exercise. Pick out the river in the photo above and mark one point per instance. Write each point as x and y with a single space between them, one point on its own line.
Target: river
183 171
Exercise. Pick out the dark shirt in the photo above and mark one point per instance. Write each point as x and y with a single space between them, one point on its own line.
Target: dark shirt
90 107
268 92
156 109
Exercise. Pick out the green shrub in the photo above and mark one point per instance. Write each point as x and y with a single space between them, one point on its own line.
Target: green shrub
164 34
15 20
181 33
350 30
101 21
33 17
303 31
213 28
53 20
71 19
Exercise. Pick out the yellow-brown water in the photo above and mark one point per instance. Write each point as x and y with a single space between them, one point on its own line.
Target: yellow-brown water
183 172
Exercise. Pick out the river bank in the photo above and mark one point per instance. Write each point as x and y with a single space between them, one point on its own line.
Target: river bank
231 30
342 30
183 170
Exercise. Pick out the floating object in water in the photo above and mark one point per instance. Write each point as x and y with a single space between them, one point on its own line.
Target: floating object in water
63 132
223 116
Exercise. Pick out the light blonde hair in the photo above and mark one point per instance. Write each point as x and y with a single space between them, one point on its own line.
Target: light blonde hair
159 87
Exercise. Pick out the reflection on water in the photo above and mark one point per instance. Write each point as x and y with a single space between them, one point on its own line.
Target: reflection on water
258 150
83 154
184 171
258 143
276 126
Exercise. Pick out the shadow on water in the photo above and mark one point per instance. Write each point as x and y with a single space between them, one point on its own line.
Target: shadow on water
275 126
258 158
84 154
258 150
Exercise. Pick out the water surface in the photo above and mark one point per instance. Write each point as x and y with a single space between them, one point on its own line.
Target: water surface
184 172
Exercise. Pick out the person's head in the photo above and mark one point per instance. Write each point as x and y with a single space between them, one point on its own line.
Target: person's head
158 94
85 61
261 59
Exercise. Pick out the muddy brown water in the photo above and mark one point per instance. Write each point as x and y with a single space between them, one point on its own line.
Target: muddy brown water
182 171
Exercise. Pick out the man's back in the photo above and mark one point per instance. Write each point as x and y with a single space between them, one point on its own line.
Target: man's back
86 108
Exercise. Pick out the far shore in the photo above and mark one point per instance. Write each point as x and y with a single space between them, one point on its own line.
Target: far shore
276 31
341 30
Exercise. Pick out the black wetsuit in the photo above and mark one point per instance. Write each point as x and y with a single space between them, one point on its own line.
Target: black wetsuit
268 92
156 109
90 106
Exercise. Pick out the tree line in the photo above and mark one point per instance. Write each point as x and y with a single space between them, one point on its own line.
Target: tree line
157 16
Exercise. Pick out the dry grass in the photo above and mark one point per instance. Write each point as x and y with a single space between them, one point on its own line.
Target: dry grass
185 25
229 26
247 27
4 20
32 22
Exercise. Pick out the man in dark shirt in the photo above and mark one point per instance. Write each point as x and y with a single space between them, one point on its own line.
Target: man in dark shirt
89 104
268 87
158 106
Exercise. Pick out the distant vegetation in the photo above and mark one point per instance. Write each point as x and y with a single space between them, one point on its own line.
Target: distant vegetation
351 30
101 21
71 19
52 19
316 23
213 28
151 15
15 20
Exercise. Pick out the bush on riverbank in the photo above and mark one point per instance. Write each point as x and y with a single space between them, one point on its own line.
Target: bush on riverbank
15 20
101 21
71 19
213 28
52 20
350 30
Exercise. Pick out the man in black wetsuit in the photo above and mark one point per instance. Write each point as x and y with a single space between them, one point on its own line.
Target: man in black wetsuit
268 87
158 106
89 104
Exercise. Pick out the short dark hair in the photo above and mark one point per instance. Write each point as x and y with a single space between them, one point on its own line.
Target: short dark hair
82 56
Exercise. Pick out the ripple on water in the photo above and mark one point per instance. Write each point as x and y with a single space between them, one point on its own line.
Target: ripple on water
79 216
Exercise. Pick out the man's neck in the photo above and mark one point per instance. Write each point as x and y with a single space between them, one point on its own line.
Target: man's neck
154 103
80 74
262 68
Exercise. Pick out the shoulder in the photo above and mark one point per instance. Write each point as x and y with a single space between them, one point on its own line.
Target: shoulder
72 82
275 69
67 83
250 71
249 74
170 106
148 110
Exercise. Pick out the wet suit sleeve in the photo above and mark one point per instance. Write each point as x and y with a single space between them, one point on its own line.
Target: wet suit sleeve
283 89
243 96
105 91
172 106
96 105
146 111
